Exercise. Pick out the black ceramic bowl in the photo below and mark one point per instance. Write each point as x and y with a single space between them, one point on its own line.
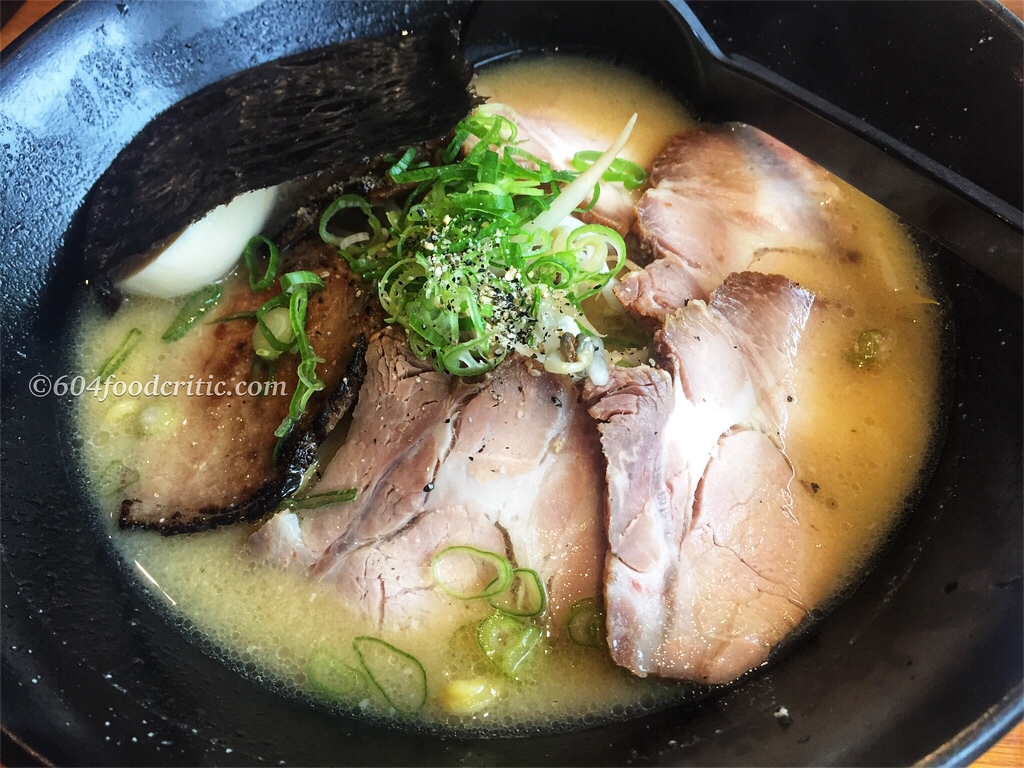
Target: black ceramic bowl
918 103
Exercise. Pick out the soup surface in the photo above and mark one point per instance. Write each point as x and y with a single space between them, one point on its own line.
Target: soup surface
859 437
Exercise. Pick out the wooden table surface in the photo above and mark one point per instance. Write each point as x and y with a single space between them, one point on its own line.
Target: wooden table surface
1007 753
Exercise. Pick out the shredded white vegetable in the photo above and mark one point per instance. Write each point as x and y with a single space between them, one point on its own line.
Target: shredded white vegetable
584 184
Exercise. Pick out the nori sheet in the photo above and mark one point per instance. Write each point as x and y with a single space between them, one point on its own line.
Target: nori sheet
332 108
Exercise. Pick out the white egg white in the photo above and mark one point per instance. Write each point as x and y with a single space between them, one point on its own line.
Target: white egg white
206 250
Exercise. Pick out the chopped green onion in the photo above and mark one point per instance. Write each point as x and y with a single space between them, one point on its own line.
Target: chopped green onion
586 623
403 161
463 647
632 175
508 642
467 263
273 333
329 675
295 287
195 306
273 262
525 595
467 573
398 676
232 317
115 477
308 382
868 348
302 279
342 203
119 355
315 500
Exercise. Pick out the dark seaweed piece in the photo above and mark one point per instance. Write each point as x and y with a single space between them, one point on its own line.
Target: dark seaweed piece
331 109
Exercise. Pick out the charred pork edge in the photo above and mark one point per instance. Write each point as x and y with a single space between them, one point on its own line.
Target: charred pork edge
300 450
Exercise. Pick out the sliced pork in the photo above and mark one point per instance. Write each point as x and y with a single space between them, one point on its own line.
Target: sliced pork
714 556
721 196
214 461
509 463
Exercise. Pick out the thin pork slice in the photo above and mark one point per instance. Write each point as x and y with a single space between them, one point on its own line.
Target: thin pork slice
711 562
720 197
509 463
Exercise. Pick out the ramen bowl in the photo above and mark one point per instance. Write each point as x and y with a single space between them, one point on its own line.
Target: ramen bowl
922 660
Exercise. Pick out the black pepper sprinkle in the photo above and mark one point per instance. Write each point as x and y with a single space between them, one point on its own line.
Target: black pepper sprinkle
556 401
428 487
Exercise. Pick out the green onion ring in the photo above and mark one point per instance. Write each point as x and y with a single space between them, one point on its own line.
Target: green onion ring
273 261
501 565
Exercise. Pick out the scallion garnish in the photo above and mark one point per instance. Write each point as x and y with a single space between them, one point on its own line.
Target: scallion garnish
481 245
273 334
525 595
292 282
315 500
308 382
630 174
329 675
232 317
586 623
403 162
467 573
281 327
119 355
398 676
195 306
508 642
273 260
868 348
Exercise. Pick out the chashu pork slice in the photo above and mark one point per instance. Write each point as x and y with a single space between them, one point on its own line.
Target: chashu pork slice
214 462
714 551
722 196
509 463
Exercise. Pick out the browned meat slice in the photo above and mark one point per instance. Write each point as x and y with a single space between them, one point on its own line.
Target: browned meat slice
720 197
711 560
214 462
510 463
